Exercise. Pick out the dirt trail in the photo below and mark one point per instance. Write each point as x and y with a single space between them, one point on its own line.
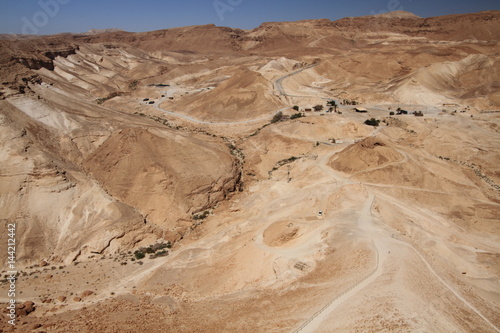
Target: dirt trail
381 247
403 161
450 288
383 243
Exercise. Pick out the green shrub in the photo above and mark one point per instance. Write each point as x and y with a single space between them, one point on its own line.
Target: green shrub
139 255
133 84
372 122
162 253
277 117
110 96
201 216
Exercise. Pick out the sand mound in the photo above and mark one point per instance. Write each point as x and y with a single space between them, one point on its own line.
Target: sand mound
246 95
66 155
282 65
444 82
60 212
367 154
374 161
136 166
280 233
277 68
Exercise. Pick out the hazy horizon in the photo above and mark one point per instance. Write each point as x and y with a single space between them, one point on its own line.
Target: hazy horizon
60 16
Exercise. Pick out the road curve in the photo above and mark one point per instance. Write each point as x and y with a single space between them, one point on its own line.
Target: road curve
277 85
198 121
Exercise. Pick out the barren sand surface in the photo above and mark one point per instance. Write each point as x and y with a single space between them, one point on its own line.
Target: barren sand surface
309 176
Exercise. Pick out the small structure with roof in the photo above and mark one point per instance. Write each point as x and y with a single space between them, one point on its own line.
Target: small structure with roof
360 110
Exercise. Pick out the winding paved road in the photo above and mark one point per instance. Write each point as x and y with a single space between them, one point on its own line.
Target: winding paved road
370 230
198 121
278 86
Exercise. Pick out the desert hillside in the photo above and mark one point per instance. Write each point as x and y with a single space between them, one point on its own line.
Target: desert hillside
309 176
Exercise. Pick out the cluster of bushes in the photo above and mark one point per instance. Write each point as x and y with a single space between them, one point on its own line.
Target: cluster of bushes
159 120
257 131
236 152
296 115
332 104
201 216
110 96
284 162
288 160
101 100
372 122
277 117
156 250
348 102
133 84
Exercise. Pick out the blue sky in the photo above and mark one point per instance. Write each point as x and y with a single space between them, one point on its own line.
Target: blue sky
55 16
